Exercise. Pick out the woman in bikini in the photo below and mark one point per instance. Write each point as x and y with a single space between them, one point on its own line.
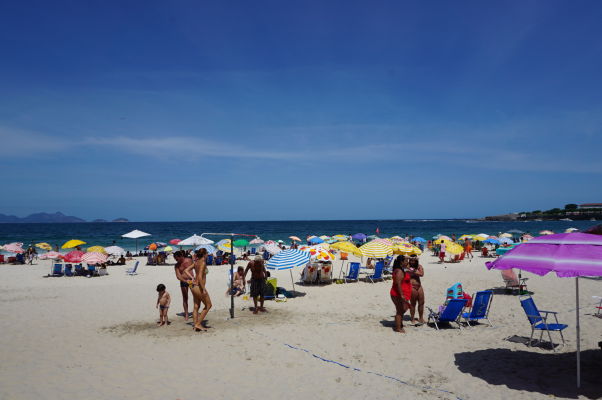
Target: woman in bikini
198 289
400 292
415 271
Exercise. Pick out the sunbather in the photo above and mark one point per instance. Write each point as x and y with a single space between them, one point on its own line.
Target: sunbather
400 292
416 271
198 289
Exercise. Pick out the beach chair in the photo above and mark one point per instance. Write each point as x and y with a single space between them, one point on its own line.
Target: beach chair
266 255
210 259
513 284
271 286
326 273
378 272
57 270
68 270
132 271
354 272
598 307
2 259
450 313
79 270
480 307
539 322
218 260
253 251
310 274
92 270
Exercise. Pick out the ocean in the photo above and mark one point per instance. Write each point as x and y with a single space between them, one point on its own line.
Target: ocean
106 234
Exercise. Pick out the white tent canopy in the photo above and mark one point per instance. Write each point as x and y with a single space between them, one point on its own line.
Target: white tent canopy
195 240
135 234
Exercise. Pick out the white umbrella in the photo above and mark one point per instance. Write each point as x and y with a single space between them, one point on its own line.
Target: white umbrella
272 248
115 250
195 240
135 234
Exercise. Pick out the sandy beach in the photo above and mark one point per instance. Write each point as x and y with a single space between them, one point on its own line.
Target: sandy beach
96 338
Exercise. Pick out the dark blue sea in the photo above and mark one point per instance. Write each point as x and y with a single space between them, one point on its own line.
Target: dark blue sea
106 234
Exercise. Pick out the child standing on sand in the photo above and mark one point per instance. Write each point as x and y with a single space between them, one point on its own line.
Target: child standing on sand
163 301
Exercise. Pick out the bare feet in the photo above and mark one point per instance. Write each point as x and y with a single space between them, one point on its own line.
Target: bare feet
162 323
255 311
400 330
262 309
421 321
199 329
414 321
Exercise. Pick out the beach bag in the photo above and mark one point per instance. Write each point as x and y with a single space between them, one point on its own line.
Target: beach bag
468 299
455 292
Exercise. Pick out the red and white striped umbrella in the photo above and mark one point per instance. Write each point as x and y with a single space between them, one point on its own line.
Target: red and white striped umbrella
94 258
14 248
175 241
74 256
53 255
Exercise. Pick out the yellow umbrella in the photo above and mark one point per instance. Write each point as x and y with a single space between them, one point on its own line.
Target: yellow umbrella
506 235
224 245
72 243
439 241
325 237
376 249
406 249
453 248
347 247
479 238
464 237
97 249
340 238
167 249
44 246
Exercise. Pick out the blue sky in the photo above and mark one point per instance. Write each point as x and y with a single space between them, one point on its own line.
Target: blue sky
193 110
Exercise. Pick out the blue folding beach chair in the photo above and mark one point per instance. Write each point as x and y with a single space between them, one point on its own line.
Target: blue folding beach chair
57 270
218 260
354 272
79 270
266 255
92 271
378 272
132 271
451 313
480 307
539 322
210 259
68 270
253 251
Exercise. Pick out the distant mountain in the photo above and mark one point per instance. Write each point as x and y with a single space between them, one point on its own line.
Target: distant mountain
121 220
100 220
42 217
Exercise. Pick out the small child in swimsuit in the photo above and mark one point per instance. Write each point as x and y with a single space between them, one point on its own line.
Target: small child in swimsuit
163 301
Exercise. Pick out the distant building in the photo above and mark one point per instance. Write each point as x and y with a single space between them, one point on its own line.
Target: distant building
590 206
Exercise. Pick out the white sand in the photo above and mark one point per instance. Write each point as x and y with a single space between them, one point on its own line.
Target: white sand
96 338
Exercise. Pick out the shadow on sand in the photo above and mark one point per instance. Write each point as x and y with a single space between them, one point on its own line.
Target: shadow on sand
547 373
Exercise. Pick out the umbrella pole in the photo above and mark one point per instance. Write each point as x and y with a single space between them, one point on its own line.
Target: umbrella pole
231 276
578 334
292 281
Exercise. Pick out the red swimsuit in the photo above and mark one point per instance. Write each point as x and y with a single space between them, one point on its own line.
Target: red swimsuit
406 287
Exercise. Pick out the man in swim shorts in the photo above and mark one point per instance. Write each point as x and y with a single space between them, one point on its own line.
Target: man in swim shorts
258 282
183 262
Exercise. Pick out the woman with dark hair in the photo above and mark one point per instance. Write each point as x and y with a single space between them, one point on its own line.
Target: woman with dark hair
415 271
400 292
198 289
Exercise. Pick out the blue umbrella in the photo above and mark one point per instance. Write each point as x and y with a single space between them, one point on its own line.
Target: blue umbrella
288 259
506 241
492 241
315 240
419 239
359 236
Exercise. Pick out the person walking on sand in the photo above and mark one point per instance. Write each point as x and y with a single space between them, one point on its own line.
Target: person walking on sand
183 262
198 289
163 302
400 292
416 271
258 282
442 252
468 248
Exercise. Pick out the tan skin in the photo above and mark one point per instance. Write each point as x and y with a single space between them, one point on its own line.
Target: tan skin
257 272
416 272
401 303
199 290
181 264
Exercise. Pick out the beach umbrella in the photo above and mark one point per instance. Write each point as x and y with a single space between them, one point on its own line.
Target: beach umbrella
516 231
294 238
44 246
96 249
195 240
310 237
161 244
316 240
135 234
347 247
571 230
175 242
359 237
567 255
526 237
115 251
464 237
318 253
256 241
15 247
376 249
288 259
546 232
453 248
491 241
210 249
506 235
419 239
167 249
51 255
94 258
506 240
272 248
340 238
74 256
385 241
224 245
241 243
72 243
443 237
441 240
500 251
152 246
406 249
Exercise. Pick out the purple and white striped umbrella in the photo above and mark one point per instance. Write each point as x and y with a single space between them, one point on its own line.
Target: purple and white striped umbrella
566 254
